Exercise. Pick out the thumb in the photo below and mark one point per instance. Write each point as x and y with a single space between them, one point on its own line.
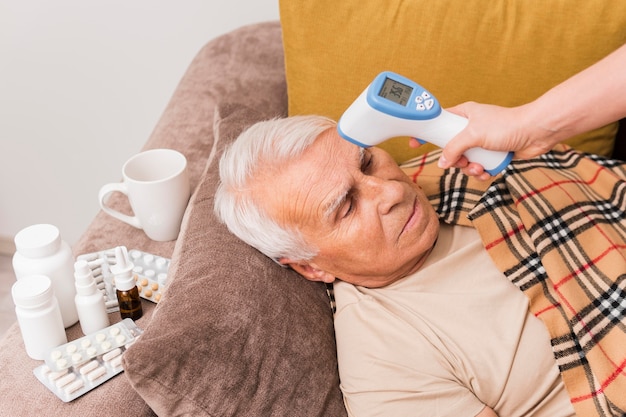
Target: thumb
460 109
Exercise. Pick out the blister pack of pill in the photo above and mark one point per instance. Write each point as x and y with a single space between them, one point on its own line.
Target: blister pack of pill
77 367
150 273
81 350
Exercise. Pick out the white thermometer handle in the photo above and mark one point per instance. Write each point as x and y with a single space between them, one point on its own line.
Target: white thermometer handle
448 125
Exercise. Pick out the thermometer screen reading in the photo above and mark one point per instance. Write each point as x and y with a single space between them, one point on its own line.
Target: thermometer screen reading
396 92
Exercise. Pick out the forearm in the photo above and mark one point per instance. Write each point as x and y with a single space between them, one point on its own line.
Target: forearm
588 100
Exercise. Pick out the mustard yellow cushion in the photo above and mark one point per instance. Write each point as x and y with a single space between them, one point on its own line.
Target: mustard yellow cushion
500 52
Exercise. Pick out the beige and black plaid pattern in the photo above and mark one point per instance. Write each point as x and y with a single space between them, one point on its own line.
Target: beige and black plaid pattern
556 227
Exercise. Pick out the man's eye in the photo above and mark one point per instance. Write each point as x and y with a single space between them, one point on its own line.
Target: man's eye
348 208
367 162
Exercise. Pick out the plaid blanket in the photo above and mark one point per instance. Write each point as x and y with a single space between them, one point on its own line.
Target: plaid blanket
556 227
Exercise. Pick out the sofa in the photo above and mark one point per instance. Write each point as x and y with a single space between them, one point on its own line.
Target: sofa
235 334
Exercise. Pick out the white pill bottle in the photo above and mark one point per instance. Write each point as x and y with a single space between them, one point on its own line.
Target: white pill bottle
38 315
41 251
92 312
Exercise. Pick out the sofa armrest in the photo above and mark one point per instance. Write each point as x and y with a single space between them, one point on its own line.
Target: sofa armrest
251 58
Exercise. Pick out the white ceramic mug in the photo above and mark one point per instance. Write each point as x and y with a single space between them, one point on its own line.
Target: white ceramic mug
156 183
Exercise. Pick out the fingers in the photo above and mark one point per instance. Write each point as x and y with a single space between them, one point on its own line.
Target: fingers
452 154
471 169
453 151
414 143
476 170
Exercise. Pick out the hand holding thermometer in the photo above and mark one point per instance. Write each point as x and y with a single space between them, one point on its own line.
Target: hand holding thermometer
393 105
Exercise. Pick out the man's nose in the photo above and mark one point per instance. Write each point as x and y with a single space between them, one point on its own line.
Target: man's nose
385 193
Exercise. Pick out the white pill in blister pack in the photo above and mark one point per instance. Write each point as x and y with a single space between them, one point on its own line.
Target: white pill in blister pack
150 273
71 382
87 347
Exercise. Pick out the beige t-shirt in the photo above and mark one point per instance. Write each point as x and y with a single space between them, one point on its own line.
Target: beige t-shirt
445 341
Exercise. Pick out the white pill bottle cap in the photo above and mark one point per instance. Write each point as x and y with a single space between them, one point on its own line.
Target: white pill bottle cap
32 292
38 241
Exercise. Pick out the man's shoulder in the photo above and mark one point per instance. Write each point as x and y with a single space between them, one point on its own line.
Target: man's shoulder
346 296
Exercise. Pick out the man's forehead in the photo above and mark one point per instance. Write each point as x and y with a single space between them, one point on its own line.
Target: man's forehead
335 180
339 148
335 156
341 193
309 187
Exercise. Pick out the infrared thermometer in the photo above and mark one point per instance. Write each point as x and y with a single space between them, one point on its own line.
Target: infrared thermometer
393 105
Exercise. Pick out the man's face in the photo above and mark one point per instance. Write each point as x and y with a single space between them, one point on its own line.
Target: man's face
371 223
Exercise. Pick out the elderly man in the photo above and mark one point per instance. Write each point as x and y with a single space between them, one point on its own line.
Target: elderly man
425 323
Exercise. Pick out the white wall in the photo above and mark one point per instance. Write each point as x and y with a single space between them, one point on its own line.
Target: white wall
82 83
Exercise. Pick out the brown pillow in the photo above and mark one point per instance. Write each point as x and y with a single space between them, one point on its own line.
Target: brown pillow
235 334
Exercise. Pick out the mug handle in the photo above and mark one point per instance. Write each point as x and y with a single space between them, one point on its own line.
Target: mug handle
104 193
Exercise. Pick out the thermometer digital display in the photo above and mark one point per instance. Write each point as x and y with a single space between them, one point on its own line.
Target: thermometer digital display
396 91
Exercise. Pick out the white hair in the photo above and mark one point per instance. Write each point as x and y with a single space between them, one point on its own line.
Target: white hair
268 143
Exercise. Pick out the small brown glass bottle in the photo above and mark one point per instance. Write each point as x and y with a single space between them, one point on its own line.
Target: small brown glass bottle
130 303
125 287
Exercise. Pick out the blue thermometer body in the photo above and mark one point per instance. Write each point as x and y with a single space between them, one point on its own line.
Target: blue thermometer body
393 105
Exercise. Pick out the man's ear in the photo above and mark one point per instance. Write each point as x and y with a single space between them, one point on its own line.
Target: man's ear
308 270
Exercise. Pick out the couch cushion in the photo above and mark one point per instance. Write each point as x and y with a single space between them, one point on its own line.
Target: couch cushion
506 52
235 334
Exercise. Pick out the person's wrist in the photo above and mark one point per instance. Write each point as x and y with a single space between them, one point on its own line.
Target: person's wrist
541 128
